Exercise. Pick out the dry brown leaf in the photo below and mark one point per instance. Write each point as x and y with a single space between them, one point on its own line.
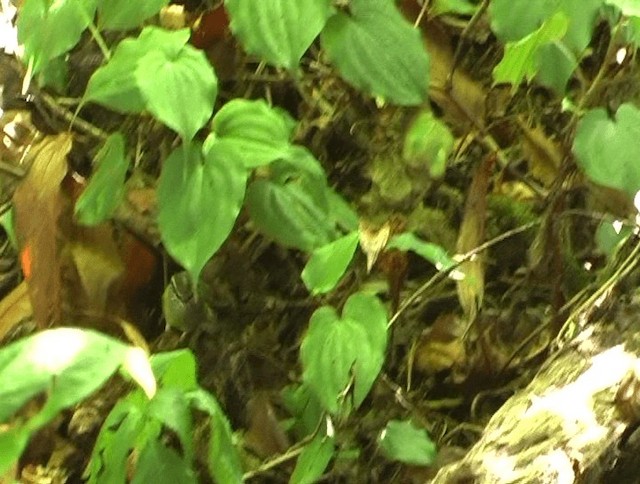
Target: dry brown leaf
38 203
440 347
373 241
543 154
14 308
472 234
97 261
463 105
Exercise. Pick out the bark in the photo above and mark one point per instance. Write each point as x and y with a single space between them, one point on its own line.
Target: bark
572 422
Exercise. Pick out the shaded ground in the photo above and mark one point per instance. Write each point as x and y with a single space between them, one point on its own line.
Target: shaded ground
512 154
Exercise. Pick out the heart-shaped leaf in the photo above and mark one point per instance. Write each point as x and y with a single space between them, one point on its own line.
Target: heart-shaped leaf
260 134
114 84
278 31
336 349
199 200
177 82
378 51
106 187
160 72
607 149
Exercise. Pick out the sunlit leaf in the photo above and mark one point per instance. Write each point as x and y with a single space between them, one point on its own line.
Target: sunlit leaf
79 361
385 56
279 31
630 8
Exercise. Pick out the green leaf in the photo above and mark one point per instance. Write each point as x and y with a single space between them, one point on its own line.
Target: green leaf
224 461
313 460
114 84
401 441
177 82
106 187
610 238
290 214
335 348
521 58
278 31
171 407
302 404
260 134
514 19
12 442
329 263
511 20
199 199
459 7
431 252
629 8
160 72
385 56
428 142
126 15
158 464
68 364
607 149
49 29
175 369
115 441
341 211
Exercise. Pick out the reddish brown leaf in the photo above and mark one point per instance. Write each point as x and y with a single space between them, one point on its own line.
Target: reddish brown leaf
38 203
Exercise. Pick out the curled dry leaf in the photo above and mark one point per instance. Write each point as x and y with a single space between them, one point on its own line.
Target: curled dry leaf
38 203
373 241
472 234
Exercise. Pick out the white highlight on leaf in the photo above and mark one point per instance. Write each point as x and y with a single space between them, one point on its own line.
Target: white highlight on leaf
55 350
137 365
